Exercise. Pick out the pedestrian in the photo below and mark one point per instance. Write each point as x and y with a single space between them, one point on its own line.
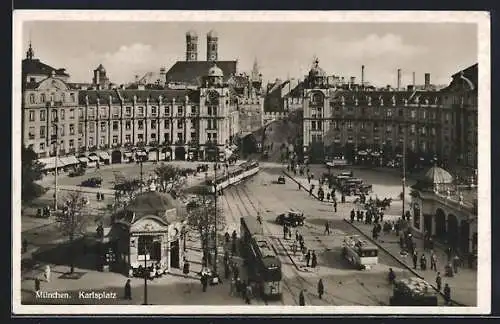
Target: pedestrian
415 259
297 236
438 281
447 294
423 262
232 290
321 288
47 273
102 197
314 260
128 290
37 284
308 258
204 282
335 204
433 261
456 263
294 247
327 228
25 246
185 268
302 300
285 231
248 294
98 196
448 253
392 276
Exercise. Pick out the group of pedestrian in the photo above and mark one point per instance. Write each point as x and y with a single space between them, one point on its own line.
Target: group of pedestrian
100 196
311 259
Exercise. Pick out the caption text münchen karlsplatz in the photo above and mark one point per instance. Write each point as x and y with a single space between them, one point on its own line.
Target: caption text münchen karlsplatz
97 295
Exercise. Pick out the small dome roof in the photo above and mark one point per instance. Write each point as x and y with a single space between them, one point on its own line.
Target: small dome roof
151 202
191 33
215 71
316 71
212 34
101 68
437 175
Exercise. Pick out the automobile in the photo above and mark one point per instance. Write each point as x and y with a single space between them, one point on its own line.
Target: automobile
94 182
281 180
291 218
77 172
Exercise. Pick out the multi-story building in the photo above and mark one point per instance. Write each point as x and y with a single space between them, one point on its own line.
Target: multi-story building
191 122
366 125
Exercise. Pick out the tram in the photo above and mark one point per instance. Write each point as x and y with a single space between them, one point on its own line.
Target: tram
236 175
359 252
261 260
413 292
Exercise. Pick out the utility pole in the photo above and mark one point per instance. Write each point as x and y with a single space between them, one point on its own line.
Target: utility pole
404 164
56 123
145 276
141 173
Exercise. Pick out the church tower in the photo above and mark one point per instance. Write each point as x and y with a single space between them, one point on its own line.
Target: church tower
30 53
212 45
191 46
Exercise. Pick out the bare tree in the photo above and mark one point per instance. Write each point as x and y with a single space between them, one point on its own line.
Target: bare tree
73 221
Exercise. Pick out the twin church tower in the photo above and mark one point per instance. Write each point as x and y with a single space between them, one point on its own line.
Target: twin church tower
192 46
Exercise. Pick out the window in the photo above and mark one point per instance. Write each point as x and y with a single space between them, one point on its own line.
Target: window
447 117
31 133
42 115
103 140
91 113
362 125
71 114
389 112
71 129
433 131
180 110
54 115
424 114
413 145
423 146
140 124
72 96
54 130
412 129
349 124
42 131
193 110
91 141
180 124
63 114
32 98
153 136
140 137
43 98
140 111
167 111
63 97
80 128
115 125
116 112
144 246
32 115
424 130
153 111
413 114
115 139
313 125
153 124
80 113
388 129
91 127
128 111
42 146
193 136
127 138
71 143
103 126
103 113
128 125
61 130
400 113
166 123
179 137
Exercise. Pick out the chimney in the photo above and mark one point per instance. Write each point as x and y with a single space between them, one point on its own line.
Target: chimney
362 75
399 80
413 83
353 80
427 80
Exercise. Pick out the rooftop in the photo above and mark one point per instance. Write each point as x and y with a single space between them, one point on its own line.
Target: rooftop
35 66
192 72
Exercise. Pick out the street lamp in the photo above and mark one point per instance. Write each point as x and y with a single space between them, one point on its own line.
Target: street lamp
141 173
55 123
146 254
214 188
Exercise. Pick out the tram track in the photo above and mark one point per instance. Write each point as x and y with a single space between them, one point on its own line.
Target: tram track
332 298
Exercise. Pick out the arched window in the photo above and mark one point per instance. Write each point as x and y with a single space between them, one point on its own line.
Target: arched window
32 98
43 98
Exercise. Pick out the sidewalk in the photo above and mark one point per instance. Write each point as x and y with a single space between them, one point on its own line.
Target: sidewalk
463 285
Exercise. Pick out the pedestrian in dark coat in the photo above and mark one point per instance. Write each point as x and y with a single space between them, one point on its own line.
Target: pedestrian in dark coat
447 294
415 259
321 288
335 204
302 299
37 284
308 258
314 260
128 290
438 281
204 282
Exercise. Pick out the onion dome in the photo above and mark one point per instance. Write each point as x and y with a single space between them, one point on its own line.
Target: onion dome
101 68
316 71
212 34
191 34
215 71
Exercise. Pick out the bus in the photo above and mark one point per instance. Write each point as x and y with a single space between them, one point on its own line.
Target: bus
413 292
261 260
359 252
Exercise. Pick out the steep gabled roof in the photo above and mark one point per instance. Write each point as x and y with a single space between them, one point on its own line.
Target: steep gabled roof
191 72
34 66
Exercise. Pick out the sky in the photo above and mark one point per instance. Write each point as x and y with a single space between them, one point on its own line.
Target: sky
282 49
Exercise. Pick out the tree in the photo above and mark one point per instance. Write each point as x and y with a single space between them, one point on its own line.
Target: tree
31 171
73 221
172 177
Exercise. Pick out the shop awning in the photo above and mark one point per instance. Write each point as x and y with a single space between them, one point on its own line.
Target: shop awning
50 163
127 154
83 159
104 155
93 158
362 153
71 160
141 153
375 153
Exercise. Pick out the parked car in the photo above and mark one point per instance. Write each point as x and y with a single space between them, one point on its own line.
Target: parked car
94 182
77 172
281 180
291 218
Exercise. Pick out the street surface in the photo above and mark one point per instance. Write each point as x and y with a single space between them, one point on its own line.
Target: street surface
344 285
